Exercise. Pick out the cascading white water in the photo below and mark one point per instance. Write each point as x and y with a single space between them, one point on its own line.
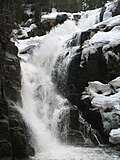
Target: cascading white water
42 105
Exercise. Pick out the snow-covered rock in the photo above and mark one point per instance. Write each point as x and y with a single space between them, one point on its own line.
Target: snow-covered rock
115 136
106 99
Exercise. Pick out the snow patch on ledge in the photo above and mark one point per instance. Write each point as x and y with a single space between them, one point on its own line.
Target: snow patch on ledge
115 136
101 38
109 22
104 96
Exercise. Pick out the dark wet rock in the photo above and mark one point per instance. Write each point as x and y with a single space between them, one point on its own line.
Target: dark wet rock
113 67
78 39
48 24
11 48
74 119
25 17
40 30
31 33
95 119
76 77
74 129
84 36
74 134
85 133
5 150
107 28
61 18
76 17
4 129
75 41
19 134
12 77
102 13
31 150
75 137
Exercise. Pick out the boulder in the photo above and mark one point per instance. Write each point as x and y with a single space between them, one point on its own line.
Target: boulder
74 129
61 18
72 79
115 136
48 24
76 17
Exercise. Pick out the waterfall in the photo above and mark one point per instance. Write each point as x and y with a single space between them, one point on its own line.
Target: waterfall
42 107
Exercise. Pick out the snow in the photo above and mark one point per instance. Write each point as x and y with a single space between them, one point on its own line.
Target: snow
27 44
85 54
29 12
25 30
109 22
24 44
104 96
105 37
23 33
116 83
103 103
28 29
111 6
115 136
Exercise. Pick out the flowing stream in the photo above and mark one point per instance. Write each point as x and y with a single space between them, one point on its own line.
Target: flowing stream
42 105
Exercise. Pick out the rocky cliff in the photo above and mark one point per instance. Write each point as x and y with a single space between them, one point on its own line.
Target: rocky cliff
81 74
13 131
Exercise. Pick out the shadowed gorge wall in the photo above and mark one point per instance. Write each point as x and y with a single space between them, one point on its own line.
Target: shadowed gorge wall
13 131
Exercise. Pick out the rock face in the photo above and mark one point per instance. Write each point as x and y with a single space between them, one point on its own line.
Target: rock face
13 132
19 136
95 59
74 129
12 73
